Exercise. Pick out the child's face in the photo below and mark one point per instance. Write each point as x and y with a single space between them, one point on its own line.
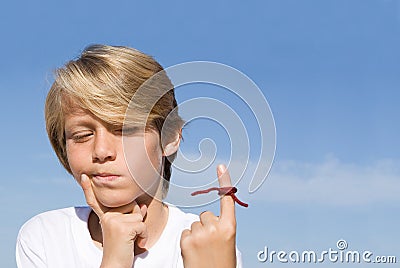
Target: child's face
96 149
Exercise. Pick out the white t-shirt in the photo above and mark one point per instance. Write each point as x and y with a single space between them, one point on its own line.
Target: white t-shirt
60 238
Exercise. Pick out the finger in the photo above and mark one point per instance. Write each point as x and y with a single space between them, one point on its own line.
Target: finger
184 237
143 210
141 234
136 208
185 233
141 231
90 197
196 227
139 210
207 217
227 203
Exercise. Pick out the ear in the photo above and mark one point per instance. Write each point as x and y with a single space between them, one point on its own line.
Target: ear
173 146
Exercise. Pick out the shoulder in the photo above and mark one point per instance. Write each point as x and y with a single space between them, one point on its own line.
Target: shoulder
53 219
38 242
181 218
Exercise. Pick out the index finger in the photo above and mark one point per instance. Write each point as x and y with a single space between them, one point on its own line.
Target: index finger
227 202
91 199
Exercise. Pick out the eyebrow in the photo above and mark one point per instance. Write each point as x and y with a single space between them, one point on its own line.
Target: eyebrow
78 121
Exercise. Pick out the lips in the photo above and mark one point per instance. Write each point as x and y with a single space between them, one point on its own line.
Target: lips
105 177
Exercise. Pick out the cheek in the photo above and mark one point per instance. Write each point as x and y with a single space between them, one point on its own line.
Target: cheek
75 162
143 161
154 153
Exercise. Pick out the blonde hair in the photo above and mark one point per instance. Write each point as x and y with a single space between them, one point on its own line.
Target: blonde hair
103 80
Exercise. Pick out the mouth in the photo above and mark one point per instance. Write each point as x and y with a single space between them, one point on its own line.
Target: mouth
105 177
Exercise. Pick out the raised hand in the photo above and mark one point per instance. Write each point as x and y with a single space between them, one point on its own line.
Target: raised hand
211 242
120 230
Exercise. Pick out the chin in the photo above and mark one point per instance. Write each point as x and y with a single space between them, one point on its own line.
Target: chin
115 204
116 200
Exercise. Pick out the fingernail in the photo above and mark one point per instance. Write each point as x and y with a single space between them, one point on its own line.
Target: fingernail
143 209
221 168
84 177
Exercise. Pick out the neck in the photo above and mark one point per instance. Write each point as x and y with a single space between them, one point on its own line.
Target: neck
155 220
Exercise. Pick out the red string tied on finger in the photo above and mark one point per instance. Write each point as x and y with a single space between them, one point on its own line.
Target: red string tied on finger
223 191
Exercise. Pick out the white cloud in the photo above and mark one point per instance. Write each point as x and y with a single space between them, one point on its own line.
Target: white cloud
332 182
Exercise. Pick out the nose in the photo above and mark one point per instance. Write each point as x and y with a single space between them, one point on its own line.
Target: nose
104 148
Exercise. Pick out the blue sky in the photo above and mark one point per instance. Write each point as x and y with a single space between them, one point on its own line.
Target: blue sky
329 70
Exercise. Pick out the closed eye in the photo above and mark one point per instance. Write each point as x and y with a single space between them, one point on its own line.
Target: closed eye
81 137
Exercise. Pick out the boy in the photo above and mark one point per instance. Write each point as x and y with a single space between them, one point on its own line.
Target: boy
126 223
